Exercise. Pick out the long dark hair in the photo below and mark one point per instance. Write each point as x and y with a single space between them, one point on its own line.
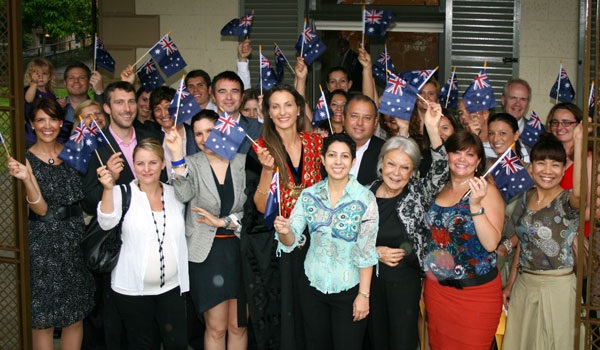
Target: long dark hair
272 139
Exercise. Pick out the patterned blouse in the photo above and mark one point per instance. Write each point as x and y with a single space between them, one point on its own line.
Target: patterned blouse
310 172
453 250
546 235
342 237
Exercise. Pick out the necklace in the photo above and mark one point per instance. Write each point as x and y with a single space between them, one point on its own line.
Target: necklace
50 155
161 240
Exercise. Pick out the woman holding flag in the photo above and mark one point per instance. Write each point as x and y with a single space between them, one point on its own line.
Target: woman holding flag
213 189
341 217
62 288
541 311
271 282
463 226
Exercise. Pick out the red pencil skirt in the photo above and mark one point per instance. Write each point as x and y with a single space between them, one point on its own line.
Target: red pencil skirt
462 318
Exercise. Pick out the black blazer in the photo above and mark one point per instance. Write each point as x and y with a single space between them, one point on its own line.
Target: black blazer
92 188
253 129
367 170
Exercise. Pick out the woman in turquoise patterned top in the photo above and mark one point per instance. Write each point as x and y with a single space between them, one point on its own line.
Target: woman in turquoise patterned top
463 293
342 219
541 311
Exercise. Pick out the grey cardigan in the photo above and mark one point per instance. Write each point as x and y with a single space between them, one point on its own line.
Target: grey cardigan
198 189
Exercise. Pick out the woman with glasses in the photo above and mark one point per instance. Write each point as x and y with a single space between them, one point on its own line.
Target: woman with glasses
561 122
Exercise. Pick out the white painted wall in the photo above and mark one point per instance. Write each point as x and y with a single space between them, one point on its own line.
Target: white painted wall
195 27
549 33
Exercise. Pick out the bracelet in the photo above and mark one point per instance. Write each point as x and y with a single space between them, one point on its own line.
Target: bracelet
263 192
364 294
508 244
179 166
35 202
178 163
479 212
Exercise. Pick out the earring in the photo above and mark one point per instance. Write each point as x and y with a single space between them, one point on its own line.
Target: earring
61 125
32 128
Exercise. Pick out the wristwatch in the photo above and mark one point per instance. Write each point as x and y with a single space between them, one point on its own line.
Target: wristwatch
227 220
479 212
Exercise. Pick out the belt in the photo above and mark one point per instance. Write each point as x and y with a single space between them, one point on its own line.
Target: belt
57 213
470 282
540 273
225 235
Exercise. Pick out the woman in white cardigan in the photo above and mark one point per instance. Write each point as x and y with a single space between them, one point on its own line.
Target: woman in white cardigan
213 188
152 272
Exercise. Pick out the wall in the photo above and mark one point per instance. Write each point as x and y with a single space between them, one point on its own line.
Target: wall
549 33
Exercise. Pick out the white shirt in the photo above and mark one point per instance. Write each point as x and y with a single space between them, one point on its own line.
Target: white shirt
139 237
360 152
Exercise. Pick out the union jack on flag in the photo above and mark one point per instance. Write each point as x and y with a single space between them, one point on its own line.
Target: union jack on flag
321 113
225 123
395 85
532 130
373 16
149 67
481 81
308 35
167 56
376 22
93 128
534 120
149 76
448 94
511 164
384 57
264 62
167 45
79 133
183 91
562 90
238 26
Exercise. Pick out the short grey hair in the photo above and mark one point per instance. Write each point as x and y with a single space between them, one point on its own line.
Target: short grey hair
404 144
516 81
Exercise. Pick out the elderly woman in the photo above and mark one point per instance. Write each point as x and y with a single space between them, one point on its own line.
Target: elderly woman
91 109
402 200
213 188
62 288
543 294
341 218
463 292
152 272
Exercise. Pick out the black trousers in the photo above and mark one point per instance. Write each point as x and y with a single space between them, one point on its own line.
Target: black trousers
393 320
328 323
154 319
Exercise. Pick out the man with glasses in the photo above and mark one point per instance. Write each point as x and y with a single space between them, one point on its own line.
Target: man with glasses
516 97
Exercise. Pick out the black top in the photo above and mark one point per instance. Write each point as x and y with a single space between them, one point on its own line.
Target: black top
392 233
227 197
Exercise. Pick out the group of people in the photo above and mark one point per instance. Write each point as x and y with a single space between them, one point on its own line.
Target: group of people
368 226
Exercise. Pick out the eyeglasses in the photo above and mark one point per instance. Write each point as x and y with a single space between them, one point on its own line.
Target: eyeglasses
564 124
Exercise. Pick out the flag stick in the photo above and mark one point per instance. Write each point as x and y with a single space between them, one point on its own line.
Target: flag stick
450 87
558 85
362 40
260 56
97 155
302 46
102 132
147 52
4 143
385 52
326 108
490 169
179 97
286 60
278 193
95 48
427 103
253 142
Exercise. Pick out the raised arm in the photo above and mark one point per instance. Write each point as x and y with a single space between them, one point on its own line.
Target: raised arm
488 225
578 149
34 197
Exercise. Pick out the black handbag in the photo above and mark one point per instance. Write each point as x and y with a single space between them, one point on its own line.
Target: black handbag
101 248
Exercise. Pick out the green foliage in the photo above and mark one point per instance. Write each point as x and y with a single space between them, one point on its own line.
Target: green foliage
59 18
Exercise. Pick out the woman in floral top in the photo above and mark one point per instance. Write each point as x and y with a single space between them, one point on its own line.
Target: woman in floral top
541 312
342 219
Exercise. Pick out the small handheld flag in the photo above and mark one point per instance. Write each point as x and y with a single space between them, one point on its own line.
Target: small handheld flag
310 46
272 208
398 98
167 56
101 56
183 106
226 138
532 131
480 94
449 92
418 78
382 65
322 112
4 144
592 101
376 22
510 176
562 90
149 76
238 26
268 79
280 61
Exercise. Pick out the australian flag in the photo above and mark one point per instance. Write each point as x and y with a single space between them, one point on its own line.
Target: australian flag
227 136
313 46
510 176
532 130
480 94
167 56
272 206
149 76
376 22
449 93
562 87
379 67
280 62
103 58
418 78
269 79
238 26
78 149
322 111
398 98
188 107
